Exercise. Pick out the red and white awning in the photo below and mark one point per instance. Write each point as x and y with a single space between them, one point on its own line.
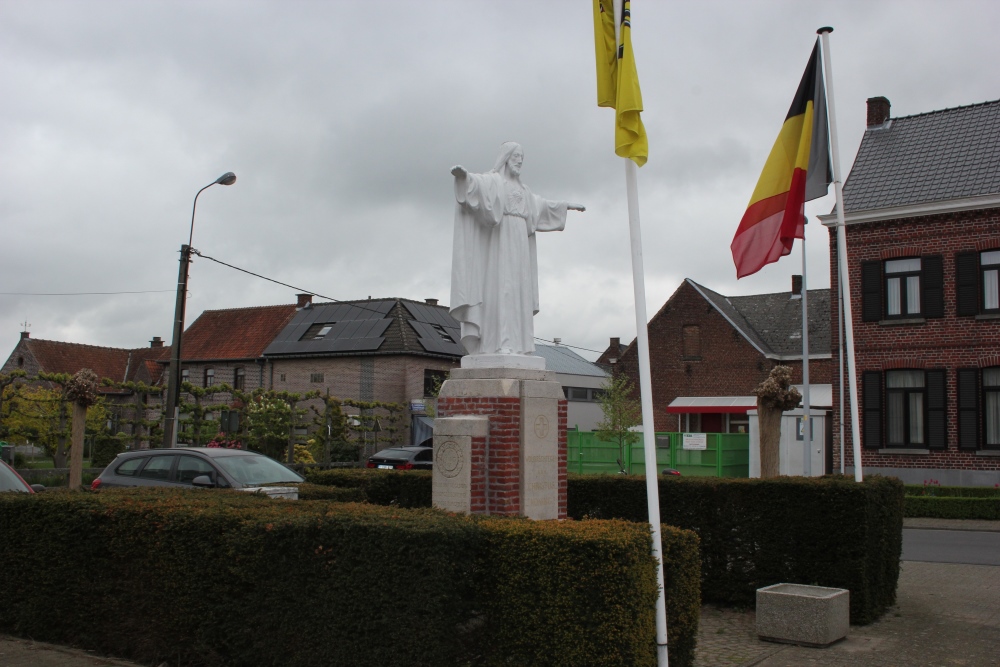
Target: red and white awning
713 404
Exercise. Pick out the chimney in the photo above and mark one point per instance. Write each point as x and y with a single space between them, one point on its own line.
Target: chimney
616 344
796 287
156 342
556 341
25 334
431 302
305 301
878 111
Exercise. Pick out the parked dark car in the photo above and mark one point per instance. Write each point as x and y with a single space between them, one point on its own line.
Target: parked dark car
670 472
207 467
403 458
11 481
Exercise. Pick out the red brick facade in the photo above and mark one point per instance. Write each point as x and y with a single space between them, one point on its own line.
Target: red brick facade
947 343
496 484
695 351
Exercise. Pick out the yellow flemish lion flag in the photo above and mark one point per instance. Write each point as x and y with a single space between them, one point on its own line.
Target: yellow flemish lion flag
617 80
797 170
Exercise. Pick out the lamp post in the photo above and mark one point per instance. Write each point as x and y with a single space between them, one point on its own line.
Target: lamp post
174 381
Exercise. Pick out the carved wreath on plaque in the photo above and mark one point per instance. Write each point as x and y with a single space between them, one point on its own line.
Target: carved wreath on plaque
448 459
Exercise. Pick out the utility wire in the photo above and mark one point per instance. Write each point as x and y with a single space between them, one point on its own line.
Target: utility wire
323 296
152 291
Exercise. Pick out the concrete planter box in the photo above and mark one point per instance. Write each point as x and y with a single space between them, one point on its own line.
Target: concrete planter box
805 615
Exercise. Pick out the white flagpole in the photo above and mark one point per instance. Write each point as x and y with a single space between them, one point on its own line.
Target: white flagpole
645 387
842 272
807 414
840 367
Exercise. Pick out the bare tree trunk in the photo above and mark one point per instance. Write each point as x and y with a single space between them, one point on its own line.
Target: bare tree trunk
769 421
59 457
76 448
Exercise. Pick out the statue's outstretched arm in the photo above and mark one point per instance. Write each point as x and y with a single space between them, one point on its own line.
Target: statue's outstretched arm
576 207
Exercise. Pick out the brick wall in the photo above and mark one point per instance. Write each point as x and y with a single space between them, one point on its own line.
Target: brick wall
728 365
501 493
947 342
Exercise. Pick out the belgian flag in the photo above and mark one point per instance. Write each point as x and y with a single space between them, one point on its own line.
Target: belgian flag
618 81
797 170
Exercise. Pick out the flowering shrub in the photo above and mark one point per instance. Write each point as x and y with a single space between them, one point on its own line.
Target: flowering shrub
931 487
221 440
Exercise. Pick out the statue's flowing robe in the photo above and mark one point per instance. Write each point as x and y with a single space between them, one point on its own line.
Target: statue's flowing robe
494 270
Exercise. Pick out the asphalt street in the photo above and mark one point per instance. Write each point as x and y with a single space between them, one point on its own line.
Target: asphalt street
951 546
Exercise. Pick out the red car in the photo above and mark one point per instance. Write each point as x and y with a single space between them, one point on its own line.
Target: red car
11 481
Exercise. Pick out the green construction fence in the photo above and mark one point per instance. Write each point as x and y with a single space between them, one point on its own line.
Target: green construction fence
725 455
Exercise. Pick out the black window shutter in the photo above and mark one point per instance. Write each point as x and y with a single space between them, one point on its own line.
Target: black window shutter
968 408
967 284
872 402
937 434
871 291
932 286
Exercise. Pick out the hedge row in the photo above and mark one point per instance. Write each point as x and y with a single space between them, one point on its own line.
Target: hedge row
379 487
953 491
828 531
938 507
224 578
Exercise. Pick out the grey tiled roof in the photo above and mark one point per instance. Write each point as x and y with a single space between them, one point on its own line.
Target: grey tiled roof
561 359
370 326
773 322
929 157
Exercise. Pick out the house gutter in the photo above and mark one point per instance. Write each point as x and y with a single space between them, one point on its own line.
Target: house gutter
914 210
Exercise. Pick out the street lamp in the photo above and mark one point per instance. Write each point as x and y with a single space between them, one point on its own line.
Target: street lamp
174 380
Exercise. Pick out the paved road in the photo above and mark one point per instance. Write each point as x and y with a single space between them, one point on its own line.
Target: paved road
951 546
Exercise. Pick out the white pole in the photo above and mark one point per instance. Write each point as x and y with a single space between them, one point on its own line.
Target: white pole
645 387
645 390
842 272
807 414
840 347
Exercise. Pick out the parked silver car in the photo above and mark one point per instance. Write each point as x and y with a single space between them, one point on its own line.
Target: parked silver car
205 467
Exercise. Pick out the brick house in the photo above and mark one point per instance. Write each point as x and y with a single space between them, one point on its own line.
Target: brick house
34 356
227 346
922 226
708 352
389 350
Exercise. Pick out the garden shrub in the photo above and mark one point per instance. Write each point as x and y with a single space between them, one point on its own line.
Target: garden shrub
411 488
211 577
828 531
933 489
944 507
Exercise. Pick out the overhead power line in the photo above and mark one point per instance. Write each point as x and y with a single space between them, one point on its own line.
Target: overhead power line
323 296
150 291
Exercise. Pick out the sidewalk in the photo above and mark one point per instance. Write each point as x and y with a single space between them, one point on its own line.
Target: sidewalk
945 614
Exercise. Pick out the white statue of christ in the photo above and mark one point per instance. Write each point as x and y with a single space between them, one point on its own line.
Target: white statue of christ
494 270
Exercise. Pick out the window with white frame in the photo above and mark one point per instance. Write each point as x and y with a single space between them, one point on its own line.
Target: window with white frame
905 412
991 407
902 287
209 377
989 266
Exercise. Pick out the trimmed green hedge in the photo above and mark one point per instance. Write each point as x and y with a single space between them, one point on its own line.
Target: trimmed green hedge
226 578
828 531
938 507
411 488
953 491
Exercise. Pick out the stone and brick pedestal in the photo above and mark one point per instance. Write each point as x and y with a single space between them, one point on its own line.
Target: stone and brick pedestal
500 443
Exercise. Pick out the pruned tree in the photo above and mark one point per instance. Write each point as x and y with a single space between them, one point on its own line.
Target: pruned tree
81 390
774 396
622 412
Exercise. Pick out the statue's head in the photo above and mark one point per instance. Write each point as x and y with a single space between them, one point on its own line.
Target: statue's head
510 158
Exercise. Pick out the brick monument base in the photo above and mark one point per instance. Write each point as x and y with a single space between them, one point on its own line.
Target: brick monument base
500 443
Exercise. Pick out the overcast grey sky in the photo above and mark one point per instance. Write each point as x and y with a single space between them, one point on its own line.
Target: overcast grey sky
342 120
